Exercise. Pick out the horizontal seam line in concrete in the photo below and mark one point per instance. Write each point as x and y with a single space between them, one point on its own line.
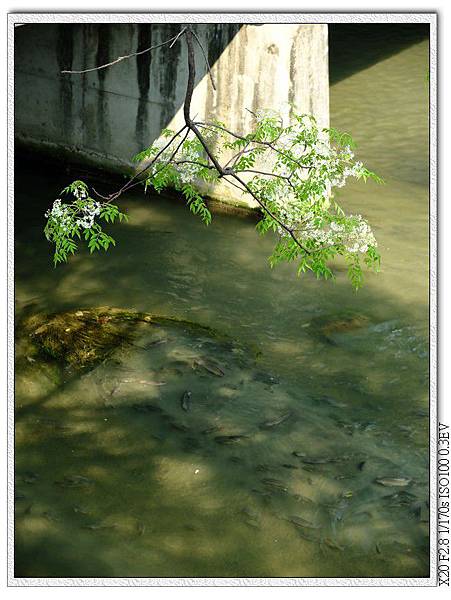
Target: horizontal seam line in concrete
74 148
91 87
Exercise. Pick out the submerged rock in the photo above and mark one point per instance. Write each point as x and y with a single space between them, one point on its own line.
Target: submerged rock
326 327
81 339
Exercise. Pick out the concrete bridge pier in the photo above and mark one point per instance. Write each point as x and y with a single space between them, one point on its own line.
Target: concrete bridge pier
104 117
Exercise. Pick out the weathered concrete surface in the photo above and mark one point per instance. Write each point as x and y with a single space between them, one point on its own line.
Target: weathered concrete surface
107 116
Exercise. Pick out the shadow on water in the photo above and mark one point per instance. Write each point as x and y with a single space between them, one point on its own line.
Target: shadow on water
357 46
111 491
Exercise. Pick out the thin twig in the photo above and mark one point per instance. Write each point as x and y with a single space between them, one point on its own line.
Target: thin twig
121 58
130 183
206 61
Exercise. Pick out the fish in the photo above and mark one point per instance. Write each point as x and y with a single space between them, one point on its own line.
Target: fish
156 343
80 510
143 381
274 422
30 477
96 526
393 481
248 512
140 528
178 426
332 544
229 439
301 498
185 400
74 481
275 484
146 408
301 522
266 378
264 467
318 461
307 536
50 516
209 366
212 429
332 402
289 466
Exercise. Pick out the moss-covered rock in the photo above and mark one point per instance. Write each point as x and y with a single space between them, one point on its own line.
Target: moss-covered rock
326 327
82 338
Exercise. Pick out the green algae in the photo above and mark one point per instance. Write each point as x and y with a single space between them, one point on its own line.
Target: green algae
83 338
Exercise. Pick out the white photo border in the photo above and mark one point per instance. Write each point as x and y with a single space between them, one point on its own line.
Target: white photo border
16 19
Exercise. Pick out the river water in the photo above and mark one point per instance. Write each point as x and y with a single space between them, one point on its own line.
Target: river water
107 488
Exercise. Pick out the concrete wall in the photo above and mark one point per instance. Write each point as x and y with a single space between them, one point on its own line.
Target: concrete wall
107 116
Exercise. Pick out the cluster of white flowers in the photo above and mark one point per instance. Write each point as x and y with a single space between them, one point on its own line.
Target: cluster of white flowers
60 213
186 155
80 193
359 238
355 238
321 166
89 213
64 216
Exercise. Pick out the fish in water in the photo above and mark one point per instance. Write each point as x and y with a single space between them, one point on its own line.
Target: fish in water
250 518
212 429
178 426
74 481
146 408
140 528
80 510
275 484
318 461
96 526
30 477
301 522
143 382
266 378
332 544
263 467
209 366
229 439
185 400
156 343
393 481
274 422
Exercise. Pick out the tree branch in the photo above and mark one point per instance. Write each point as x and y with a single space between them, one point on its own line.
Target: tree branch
206 60
223 171
127 56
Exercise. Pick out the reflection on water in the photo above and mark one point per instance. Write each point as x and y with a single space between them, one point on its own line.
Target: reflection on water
115 478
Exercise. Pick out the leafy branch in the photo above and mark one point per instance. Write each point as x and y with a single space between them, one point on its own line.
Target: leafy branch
289 171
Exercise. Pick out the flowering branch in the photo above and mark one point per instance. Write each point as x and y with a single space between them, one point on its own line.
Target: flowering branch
293 170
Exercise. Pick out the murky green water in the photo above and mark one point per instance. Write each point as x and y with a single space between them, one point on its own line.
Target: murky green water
109 488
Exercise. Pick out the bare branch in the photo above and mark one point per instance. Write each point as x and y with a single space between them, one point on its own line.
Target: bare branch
206 61
121 58
270 213
131 183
